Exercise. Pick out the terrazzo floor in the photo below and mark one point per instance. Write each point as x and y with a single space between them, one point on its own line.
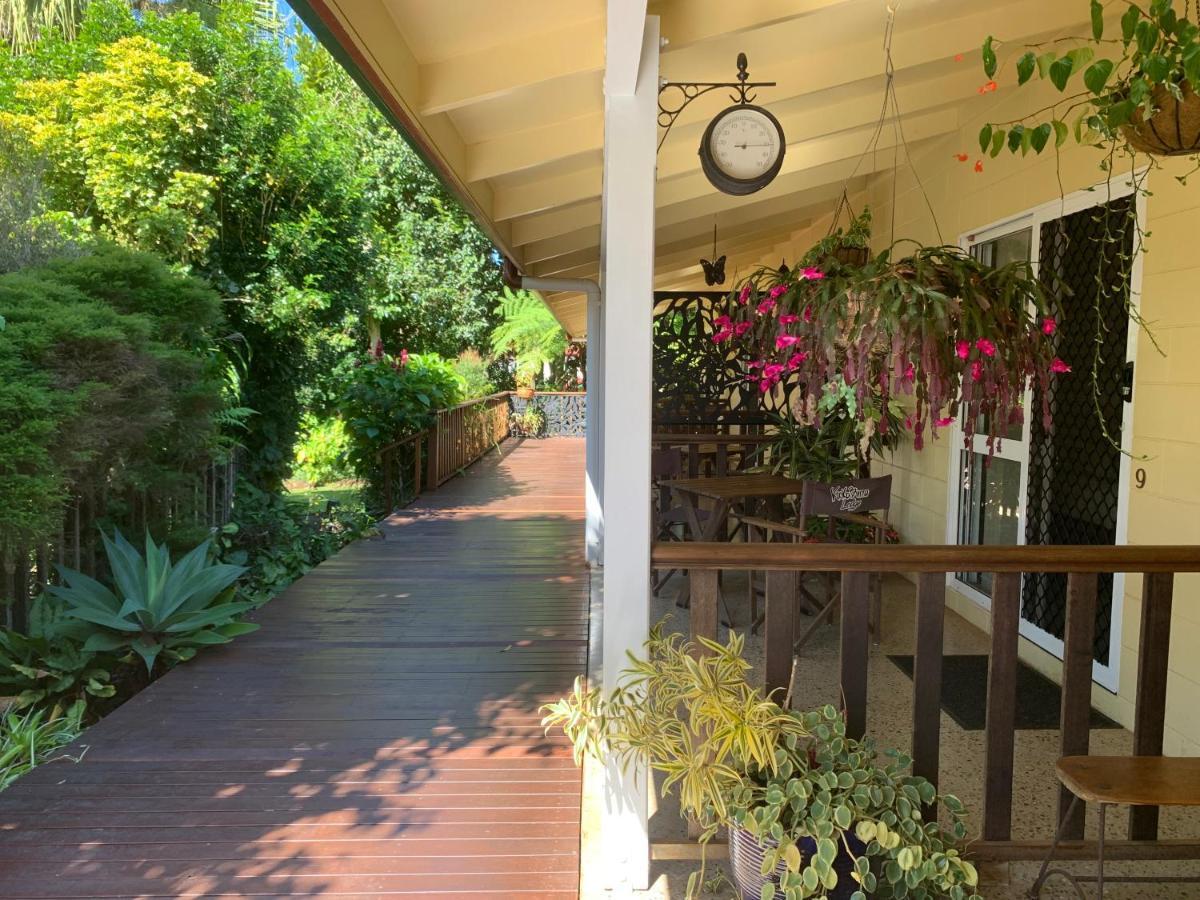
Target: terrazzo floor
889 722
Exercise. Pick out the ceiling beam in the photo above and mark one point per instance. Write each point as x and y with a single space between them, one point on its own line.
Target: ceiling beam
814 73
579 48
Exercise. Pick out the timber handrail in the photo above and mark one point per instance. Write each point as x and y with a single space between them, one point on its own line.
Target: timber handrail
926 558
1082 566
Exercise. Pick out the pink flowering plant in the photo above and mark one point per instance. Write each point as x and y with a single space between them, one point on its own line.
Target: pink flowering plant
937 330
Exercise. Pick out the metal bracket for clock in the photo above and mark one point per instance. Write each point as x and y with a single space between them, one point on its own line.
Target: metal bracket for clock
690 90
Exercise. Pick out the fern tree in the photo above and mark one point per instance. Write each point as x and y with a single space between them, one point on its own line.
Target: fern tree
528 331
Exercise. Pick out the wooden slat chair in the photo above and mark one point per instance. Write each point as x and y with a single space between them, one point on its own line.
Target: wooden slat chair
847 502
1125 781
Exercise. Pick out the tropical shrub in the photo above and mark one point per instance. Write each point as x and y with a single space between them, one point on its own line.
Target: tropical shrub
35 736
159 608
108 385
390 397
321 451
739 760
50 672
474 370
278 539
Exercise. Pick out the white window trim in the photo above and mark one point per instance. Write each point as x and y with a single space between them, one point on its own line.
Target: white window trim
1107 676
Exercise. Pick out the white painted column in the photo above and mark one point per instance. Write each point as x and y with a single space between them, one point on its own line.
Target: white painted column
594 440
627 266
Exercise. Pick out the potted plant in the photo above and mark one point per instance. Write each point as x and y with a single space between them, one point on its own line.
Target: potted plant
529 422
526 379
953 335
1136 90
810 812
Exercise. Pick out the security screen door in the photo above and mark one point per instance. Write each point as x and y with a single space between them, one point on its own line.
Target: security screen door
1066 484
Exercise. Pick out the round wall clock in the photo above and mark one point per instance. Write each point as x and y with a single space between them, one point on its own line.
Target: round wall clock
742 149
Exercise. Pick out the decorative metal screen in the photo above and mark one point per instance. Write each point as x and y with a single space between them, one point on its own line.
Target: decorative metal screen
1074 470
698 382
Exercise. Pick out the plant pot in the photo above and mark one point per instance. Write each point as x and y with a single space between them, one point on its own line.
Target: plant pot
525 393
1172 131
746 856
855 257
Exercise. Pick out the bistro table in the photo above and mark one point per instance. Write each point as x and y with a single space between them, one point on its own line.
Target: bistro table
723 493
782 587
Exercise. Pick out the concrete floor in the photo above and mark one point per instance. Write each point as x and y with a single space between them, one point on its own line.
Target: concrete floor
889 722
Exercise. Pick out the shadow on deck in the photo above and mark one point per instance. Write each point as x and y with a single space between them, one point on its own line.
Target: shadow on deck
378 735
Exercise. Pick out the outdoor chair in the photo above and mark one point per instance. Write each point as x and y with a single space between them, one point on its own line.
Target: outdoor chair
842 504
670 520
1125 781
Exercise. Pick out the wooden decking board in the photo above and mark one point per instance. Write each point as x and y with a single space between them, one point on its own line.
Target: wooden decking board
377 737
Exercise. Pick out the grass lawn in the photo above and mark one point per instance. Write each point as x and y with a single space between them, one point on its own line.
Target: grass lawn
344 492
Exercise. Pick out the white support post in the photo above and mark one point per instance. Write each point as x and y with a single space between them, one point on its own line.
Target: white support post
594 439
627 266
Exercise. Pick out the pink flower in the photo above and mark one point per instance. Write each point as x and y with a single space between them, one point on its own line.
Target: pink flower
404 357
789 319
723 335
1049 326
942 423
723 321
909 372
1059 366
778 291
773 370
756 364
744 296
811 274
786 340
963 349
766 306
986 347
808 314
977 371
908 422
741 328
797 358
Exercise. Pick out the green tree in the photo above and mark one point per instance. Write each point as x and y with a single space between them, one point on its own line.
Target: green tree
529 331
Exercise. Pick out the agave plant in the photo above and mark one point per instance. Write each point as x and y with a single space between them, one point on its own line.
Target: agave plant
157 608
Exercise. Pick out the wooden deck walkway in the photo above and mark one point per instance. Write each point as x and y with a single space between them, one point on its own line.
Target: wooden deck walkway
378 736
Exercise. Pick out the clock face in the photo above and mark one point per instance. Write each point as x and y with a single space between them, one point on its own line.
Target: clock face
742 149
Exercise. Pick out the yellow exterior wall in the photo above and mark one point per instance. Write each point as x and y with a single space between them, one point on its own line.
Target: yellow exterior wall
1166 425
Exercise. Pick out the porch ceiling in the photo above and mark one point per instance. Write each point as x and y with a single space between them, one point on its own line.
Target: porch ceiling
506 102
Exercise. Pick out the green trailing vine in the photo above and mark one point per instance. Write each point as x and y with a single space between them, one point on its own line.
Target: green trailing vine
1131 96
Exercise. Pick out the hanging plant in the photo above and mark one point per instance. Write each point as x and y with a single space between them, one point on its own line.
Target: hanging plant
1134 90
937 326
1132 96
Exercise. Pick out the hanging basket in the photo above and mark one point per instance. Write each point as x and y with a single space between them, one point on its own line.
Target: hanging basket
1172 131
854 257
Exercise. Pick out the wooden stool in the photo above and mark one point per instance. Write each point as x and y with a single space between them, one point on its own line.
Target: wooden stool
1121 780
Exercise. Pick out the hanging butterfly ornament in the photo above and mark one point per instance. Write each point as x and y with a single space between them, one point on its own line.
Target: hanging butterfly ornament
714 269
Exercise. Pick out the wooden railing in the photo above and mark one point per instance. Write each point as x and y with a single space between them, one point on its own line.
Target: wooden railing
401 464
463 433
783 563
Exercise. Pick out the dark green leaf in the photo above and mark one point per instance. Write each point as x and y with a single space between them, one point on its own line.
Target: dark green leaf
985 138
1025 67
989 57
1097 74
1040 136
1014 137
1060 72
1129 23
1097 20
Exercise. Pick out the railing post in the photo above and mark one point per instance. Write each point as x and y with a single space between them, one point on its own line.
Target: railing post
1150 705
388 499
434 451
927 675
1000 729
1076 713
856 648
779 630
